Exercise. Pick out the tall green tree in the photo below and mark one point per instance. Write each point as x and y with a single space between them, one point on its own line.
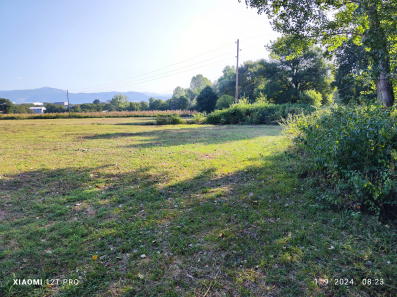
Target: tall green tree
96 101
154 104
198 83
372 23
178 92
54 108
189 94
120 102
143 105
248 81
165 105
76 108
226 84
106 106
224 102
181 103
206 100
134 106
287 77
20 109
351 75
6 105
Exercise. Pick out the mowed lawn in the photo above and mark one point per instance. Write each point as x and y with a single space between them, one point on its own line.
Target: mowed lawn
185 210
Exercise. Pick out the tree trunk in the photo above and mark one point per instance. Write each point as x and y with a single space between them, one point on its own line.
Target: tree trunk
384 90
380 56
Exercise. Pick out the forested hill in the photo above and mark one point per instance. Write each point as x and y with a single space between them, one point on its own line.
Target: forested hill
52 95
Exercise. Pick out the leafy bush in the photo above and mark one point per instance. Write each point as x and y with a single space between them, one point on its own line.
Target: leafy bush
310 97
263 99
162 119
176 120
172 119
224 102
199 117
257 113
353 150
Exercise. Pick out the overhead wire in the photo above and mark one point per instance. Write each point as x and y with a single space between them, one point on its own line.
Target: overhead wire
115 86
156 69
136 81
117 83
151 78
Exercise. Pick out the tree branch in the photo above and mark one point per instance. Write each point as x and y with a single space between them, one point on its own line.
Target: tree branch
332 34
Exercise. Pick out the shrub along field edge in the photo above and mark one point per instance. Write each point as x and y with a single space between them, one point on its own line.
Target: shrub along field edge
257 113
351 154
111 114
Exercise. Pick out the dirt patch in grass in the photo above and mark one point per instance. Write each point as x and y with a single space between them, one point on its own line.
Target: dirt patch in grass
3 215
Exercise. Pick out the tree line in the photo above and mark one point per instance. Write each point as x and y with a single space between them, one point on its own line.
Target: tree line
311 78
303 79
350 57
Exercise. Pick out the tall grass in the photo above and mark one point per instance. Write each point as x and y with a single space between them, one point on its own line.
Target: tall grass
99 114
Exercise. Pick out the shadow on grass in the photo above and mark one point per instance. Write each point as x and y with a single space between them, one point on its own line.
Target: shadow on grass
180 136
149 123
54 221
190 232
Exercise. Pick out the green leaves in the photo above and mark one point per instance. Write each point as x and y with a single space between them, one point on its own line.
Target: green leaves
357 142
6 106
206 100
370 23
120 102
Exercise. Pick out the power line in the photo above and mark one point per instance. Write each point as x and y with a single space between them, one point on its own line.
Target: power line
156 69
123 84
116 85
251 53
151 78
253 46
107 84
130 84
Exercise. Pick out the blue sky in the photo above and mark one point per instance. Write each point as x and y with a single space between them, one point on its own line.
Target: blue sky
88 46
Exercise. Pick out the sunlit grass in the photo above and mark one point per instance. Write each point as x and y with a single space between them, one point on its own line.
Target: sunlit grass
216 209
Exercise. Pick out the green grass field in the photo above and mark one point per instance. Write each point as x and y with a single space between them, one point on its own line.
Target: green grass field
186 210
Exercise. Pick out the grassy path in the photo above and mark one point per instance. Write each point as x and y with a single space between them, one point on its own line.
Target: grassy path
132 210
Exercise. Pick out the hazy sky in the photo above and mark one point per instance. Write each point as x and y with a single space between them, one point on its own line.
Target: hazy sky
86 45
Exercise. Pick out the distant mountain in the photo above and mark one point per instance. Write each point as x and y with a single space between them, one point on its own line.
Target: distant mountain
52 95
155 95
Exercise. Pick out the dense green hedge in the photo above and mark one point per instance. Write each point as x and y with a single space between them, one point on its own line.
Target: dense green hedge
257 113
354 151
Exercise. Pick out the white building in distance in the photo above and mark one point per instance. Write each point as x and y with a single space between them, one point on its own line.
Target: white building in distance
38 109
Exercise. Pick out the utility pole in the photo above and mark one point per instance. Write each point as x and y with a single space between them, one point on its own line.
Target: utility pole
236 98
67 94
